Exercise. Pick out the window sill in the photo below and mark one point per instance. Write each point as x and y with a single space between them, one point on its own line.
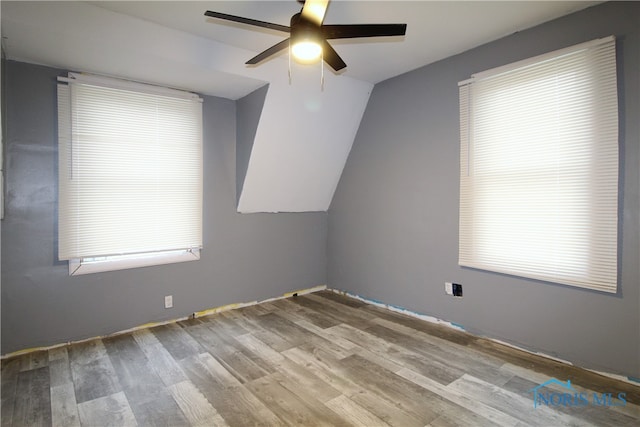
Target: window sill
121 262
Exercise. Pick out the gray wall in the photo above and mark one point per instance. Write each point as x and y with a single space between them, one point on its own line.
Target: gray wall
393 222
249 110
245 257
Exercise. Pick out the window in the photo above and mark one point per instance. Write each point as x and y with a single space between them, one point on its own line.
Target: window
130 174
539 168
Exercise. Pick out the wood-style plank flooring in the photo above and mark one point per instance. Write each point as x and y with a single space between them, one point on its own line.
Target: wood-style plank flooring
318 359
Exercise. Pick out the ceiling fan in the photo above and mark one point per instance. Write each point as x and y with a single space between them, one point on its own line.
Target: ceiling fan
308 35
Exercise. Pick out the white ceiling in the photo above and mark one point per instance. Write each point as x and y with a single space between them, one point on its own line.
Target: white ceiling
435 30
172 43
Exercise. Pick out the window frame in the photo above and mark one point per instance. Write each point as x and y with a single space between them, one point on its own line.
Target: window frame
601 275
124 258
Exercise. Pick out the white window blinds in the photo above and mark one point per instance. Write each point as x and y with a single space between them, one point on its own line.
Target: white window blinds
539 168
130 170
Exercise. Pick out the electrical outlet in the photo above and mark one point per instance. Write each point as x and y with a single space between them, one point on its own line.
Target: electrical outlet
168 301
448 288
457 290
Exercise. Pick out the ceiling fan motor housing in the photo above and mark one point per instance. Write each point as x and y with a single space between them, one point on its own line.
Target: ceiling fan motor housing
304 30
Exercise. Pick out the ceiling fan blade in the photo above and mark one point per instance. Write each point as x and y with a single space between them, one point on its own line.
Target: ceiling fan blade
363 30
248 21
314 10
331 57
267 53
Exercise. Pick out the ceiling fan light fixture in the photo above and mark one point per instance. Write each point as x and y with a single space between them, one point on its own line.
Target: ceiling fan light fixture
308 34
306 51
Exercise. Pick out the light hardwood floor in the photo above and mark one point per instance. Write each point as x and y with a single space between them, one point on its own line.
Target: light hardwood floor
318 359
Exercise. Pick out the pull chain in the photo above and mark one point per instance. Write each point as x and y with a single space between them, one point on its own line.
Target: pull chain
322 71
289 63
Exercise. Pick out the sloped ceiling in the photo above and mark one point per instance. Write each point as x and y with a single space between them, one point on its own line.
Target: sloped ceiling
305 130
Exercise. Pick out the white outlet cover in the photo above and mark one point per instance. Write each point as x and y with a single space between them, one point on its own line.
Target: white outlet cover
448 288
168 301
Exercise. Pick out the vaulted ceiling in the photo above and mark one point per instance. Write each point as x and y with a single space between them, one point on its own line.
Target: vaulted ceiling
305 130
